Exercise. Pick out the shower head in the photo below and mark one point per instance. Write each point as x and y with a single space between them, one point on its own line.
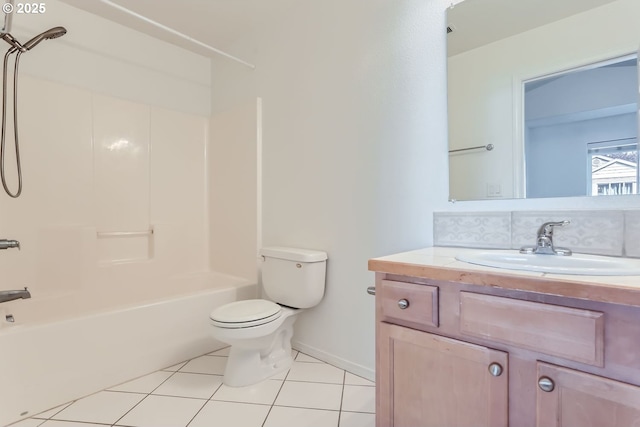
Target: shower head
52 33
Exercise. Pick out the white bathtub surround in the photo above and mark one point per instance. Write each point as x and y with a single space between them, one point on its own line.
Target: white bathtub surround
90 170
79 348
311 394
235 208
96 165
598 232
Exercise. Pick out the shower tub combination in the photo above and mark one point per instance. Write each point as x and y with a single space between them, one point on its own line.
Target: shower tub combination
48 358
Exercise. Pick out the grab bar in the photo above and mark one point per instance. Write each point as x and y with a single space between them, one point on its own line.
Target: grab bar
124 233
487 147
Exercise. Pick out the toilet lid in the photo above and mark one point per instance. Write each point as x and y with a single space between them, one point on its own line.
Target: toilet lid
243 314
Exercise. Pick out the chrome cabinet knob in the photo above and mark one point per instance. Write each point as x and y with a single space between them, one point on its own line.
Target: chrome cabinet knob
371 290
403 303
495 369
546 384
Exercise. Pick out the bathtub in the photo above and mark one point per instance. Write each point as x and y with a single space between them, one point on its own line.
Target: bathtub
65 346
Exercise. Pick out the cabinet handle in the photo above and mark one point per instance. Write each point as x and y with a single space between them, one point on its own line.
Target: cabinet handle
495 369
403 303
371 290
546 384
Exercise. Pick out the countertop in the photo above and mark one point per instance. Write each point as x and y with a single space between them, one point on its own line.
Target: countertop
439 263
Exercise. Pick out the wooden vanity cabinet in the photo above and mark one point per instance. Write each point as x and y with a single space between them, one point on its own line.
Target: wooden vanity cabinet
455 355
427 380
573 398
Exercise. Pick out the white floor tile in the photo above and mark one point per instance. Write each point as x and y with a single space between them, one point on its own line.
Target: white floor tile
144 384
355 419
190 385
29 422
359 398
104 407
162 411
222 352
299 417
264 392
315 372
230 414
54 423
205 365
356 380
306 358
280 375
310 395
51 412
174 367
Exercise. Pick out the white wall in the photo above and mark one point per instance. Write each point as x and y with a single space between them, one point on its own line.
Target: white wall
113 131
485 101
354 147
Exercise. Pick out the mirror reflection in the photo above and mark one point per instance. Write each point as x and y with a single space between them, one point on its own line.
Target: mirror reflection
552 88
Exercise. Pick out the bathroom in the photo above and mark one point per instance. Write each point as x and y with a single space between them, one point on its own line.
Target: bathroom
212 160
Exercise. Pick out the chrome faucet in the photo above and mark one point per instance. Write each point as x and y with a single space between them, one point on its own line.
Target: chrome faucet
6 296
544 242
6 244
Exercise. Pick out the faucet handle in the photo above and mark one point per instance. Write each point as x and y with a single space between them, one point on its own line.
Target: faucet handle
546 229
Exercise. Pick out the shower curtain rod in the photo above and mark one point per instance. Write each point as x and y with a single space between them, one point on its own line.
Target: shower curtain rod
176 33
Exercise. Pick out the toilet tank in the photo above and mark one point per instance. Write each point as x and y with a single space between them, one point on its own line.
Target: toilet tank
292 276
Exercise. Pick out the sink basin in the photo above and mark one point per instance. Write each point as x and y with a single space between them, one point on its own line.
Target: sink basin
588 265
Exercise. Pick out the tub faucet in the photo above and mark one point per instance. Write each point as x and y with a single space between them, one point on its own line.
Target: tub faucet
544 241
6 296
6 244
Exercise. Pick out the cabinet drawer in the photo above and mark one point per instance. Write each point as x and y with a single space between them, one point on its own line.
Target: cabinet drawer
420 303
570 333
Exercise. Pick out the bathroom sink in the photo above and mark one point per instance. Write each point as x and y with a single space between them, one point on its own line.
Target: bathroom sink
589 265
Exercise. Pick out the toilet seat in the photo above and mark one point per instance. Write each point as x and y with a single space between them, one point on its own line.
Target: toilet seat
245 314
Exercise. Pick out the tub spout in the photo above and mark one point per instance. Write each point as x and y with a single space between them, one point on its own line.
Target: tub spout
6 296
6 244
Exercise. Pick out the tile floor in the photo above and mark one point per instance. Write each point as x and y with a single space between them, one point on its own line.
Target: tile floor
311 394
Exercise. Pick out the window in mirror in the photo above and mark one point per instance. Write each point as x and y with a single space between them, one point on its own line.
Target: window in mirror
613 167
580 131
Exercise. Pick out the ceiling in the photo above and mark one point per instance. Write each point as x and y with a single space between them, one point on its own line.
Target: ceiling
217 23
220 23
479 22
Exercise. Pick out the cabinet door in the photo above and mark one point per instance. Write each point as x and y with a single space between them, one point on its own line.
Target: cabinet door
577 399
430 381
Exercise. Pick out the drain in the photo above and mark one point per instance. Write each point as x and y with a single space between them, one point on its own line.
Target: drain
10 318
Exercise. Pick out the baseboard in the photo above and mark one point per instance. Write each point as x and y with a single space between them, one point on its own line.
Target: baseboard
354 368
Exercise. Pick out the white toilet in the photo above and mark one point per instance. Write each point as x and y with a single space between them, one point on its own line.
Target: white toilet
259 331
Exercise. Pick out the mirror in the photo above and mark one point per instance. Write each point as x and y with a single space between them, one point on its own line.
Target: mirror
542 98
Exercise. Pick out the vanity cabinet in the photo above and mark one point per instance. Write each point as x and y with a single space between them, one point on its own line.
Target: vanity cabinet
455 354
432 381
566 398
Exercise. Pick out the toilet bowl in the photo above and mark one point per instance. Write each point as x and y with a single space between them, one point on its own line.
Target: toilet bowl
260 339
260 331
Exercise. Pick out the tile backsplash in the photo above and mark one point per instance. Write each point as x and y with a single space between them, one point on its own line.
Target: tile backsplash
605 232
